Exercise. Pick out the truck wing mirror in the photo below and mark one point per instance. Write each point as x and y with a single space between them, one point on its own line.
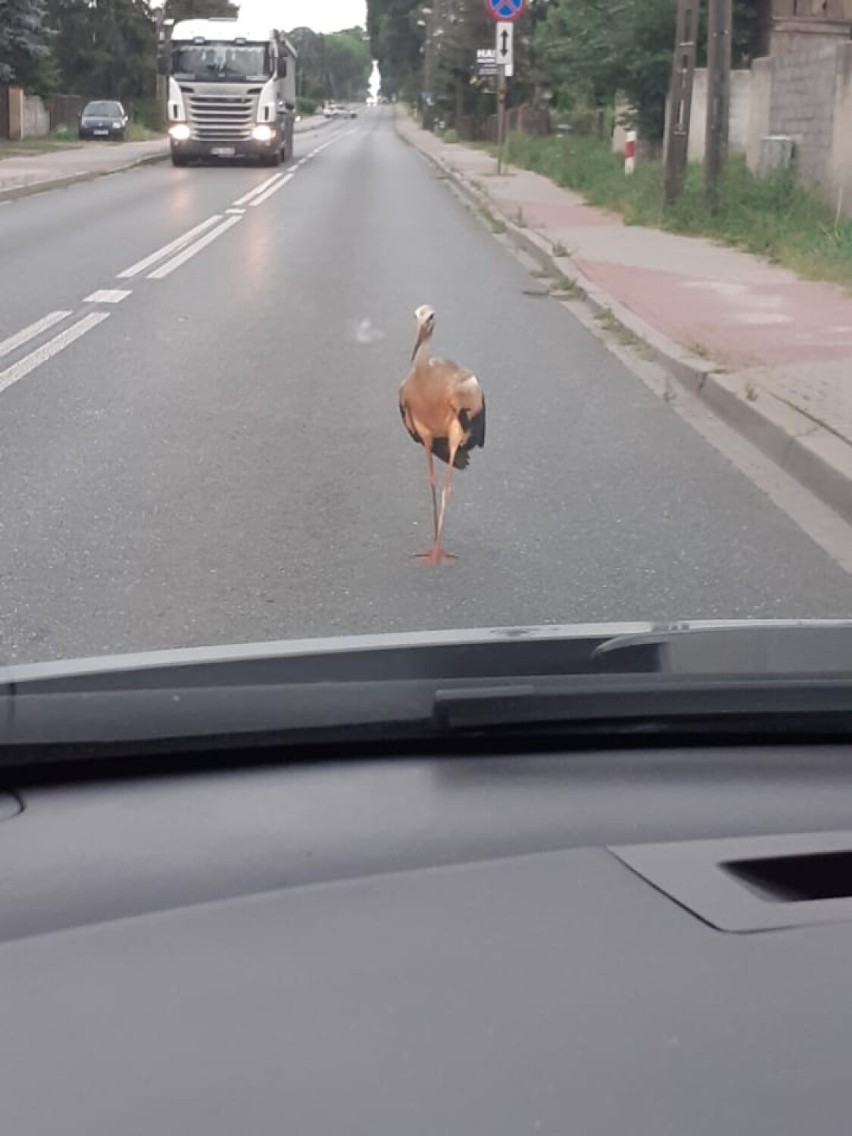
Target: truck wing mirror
282 67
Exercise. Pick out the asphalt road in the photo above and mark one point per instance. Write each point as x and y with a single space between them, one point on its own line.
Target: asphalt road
217 456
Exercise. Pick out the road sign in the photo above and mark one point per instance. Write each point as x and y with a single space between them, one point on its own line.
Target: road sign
505 10
486 61
506 48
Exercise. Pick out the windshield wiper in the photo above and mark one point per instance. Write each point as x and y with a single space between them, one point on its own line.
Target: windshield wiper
620 679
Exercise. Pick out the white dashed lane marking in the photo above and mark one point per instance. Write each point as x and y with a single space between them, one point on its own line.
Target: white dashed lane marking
272 189
7 346
166 250
52 347
107 296
246 197
182 257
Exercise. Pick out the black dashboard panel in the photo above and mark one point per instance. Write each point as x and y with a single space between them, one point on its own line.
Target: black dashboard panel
415 947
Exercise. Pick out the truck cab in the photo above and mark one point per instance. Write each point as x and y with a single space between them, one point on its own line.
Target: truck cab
231 91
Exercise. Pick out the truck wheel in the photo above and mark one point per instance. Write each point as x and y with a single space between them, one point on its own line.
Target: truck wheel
273 159
179 159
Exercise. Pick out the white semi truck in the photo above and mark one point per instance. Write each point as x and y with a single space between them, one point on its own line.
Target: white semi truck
231 91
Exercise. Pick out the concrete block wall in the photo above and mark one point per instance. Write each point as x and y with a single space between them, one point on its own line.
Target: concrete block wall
840 174
36 117
802 103
759 107
738 130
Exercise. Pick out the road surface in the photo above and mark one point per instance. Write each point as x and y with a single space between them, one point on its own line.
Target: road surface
200 440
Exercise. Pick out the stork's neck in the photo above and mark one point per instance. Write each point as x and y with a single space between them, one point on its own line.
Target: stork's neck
423 351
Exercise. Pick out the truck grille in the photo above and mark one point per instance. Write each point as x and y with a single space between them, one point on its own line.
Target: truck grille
221 117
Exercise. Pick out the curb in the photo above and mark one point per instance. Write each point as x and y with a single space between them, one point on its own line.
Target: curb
813 455
74 179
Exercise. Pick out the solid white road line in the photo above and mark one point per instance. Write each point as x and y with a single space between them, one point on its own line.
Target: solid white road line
51 348
171 247
238 211
272 189
182 257
107 296
28 333
246 197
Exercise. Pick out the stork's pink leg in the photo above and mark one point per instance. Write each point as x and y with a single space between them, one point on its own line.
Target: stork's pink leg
430 465
437 554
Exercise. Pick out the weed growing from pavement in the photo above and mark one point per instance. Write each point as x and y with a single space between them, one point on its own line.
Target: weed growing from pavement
772 217
613 326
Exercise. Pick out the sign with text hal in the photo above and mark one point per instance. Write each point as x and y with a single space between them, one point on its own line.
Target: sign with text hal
486 62
506 48
505 10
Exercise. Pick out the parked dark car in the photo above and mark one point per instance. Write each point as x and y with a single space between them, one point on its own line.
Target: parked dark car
103 118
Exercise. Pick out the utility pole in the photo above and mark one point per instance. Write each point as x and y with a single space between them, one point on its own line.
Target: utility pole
718 96
164 28
680 95
427 95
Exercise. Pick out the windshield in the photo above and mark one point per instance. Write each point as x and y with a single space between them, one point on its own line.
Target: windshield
393 317
220 62
102 109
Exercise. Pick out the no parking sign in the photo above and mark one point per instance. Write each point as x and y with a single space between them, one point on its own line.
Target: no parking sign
505 11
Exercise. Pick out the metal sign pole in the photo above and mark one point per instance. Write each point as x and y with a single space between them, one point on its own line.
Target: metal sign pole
501 115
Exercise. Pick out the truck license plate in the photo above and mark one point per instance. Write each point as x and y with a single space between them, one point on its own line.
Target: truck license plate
223 151
101 133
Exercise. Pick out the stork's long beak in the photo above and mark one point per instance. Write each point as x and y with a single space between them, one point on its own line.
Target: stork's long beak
421 335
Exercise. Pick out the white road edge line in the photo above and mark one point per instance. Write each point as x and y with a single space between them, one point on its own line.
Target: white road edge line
51 348
182 257
273 189
238 211
171 247
246 197
26 334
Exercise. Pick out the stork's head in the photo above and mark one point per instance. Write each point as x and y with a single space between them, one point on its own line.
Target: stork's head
425 317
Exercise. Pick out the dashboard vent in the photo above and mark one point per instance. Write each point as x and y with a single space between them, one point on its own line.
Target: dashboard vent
759 883
797 879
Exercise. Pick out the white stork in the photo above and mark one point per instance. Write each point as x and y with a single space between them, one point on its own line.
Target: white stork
443 408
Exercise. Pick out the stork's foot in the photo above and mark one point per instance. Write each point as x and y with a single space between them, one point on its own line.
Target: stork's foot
435 555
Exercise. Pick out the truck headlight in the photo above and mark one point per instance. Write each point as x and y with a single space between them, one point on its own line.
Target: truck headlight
180 132
262 133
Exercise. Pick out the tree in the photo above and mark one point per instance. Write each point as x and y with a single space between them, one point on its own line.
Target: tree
592 50
348 64
23 40
396 40
199 9
105 48
333 66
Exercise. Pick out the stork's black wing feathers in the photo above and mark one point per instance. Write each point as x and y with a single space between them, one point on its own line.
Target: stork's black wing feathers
441 450
474 427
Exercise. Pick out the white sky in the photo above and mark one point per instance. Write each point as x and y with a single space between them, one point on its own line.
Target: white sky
321 15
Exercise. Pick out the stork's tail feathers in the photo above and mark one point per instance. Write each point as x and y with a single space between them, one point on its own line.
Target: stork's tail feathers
441 450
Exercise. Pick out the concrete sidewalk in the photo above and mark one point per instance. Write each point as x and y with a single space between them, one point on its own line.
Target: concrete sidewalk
33 173
770 352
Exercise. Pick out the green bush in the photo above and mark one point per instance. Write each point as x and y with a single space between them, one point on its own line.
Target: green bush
450 135
306 107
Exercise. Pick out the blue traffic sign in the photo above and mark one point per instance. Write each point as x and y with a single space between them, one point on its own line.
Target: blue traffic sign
505 10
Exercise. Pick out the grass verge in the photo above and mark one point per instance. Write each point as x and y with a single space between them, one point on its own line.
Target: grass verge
29 146
773 217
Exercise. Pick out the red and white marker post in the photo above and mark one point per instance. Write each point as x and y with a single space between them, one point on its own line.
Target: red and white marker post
629 151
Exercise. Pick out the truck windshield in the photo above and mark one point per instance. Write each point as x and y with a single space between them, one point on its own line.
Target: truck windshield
221 62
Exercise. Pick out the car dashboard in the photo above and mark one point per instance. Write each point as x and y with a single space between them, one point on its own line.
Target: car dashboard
640 942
